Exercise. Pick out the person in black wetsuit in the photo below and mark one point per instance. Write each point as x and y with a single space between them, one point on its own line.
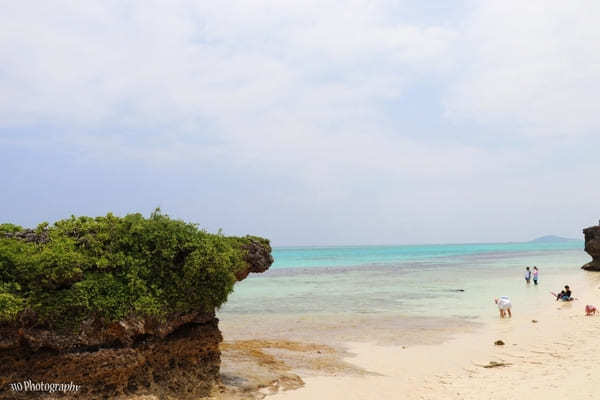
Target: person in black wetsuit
564 294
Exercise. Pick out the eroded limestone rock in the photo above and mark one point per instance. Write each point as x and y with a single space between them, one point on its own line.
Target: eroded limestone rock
592 247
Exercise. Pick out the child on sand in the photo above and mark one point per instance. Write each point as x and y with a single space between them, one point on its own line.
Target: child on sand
527 275
535 275
564 295
504 306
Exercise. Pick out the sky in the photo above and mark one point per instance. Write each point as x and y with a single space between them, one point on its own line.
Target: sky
311 122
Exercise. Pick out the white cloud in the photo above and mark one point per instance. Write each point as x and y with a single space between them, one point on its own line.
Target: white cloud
259 83
534 66
145 64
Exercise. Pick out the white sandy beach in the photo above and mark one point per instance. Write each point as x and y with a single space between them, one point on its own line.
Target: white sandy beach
553 358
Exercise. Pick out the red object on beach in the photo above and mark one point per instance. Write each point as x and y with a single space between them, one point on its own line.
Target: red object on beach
590 310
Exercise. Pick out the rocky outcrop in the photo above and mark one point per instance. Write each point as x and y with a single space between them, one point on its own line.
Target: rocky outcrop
29 235
178 358
183 364
258 258
592 247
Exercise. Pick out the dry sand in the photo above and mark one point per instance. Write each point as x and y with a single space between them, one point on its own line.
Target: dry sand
556 357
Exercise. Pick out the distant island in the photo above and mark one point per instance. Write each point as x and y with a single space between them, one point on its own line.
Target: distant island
552 239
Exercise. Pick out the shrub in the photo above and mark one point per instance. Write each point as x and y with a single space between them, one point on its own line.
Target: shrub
109 268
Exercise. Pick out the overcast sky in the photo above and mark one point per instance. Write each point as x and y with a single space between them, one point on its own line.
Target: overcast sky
308 122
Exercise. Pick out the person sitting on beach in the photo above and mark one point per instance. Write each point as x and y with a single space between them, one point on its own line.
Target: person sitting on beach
564 295
535 275
527 274
504 306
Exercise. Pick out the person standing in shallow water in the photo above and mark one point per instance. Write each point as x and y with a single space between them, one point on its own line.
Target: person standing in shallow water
535 275
527 275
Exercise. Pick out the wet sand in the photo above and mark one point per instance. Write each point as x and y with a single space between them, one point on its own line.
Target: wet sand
293 348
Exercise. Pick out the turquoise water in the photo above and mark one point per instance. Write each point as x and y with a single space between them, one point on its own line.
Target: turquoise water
456 280
347 256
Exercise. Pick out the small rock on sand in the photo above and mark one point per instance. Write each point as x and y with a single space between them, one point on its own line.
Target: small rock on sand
499 343
495 364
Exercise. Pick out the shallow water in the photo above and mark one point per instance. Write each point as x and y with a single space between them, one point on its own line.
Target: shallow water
400 286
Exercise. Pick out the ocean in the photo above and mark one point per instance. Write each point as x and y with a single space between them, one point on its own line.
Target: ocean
417 287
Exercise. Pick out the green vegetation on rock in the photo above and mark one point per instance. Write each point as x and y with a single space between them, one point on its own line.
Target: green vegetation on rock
111 268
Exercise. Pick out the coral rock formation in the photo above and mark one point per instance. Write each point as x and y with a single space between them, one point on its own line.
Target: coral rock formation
176 357
183 364
592 247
